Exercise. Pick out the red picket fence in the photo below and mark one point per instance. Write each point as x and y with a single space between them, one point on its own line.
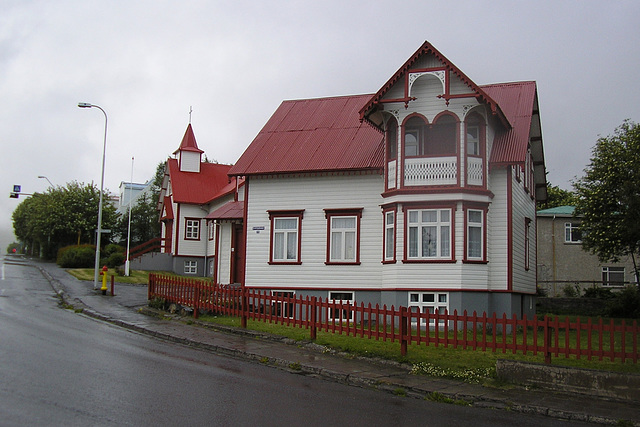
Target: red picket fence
552 337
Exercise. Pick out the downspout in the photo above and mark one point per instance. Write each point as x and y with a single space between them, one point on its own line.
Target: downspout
553 254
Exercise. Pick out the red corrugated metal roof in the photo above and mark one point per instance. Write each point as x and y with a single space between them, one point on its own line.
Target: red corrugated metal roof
189 142
517 102
199 187
323 134
231 210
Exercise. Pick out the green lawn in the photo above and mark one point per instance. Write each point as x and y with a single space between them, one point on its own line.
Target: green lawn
448 362
135 277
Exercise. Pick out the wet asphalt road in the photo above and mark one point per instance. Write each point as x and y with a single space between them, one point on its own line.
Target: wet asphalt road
58 367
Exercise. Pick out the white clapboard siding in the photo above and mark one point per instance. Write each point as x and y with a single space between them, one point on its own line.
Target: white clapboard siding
313 195
191 247
497 232
523 207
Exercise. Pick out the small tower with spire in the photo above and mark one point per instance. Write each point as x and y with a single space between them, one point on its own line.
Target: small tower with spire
189 156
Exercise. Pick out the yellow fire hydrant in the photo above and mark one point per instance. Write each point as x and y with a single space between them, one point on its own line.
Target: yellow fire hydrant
104 279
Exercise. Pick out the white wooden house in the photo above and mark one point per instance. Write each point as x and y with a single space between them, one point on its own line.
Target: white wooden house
422 194
192 191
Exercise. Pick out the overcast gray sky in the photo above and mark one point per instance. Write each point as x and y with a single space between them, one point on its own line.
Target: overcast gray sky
146 62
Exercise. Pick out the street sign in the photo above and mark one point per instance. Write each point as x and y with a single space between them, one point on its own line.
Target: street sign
17 188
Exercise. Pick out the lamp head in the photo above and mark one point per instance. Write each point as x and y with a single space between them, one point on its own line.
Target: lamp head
84 105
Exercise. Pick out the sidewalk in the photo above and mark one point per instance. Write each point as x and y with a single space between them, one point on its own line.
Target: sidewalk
127 309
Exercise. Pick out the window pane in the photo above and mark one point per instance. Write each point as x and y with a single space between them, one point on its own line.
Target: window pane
292 245
475 217
413 297
444 215
429 241
413 217
343 222
429 216
442 297
428 297
350 246
445 242
413 242
286 223
336 245
278 246
475 242
389 217
388 251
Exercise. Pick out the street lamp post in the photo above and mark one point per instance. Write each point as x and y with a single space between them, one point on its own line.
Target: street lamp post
99 231
127 264
44 177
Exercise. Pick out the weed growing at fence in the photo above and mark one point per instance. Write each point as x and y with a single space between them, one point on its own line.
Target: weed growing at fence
477 375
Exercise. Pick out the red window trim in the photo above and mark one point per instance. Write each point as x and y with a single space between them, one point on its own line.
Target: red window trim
285 214
330 213
385 211
476 207
199 221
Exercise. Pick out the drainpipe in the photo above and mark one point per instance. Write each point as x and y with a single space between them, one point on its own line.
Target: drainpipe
553 254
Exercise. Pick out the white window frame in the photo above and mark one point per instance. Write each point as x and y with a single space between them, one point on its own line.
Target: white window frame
607 272
336 297
191 267
285 237
440 226
337 251
423 302
475 226
212 228
192 229
389 235
571 229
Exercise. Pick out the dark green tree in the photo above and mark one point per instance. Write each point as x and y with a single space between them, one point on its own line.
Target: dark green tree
60 217
609 196
557 196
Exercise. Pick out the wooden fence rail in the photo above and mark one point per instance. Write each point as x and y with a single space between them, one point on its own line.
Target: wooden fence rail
549 336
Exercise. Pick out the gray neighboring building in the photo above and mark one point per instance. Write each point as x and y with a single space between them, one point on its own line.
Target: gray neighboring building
563 262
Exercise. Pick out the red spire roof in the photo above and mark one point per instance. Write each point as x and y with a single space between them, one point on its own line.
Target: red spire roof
189 142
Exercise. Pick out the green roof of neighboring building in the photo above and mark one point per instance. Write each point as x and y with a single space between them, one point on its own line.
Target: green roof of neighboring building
558 210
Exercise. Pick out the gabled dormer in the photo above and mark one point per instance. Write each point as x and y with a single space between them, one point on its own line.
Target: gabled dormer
189 156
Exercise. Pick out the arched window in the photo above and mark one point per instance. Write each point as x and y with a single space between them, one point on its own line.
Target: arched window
475 135
392 139
415 130
442 139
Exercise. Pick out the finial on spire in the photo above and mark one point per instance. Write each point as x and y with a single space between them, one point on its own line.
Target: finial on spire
190 110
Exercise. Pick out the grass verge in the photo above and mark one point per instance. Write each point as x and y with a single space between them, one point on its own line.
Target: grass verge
456 363
137 277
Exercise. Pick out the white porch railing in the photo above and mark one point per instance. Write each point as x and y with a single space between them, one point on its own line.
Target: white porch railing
430 171
474 171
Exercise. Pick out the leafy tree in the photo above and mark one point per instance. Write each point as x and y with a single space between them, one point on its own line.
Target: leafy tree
609 196
557 196
60 217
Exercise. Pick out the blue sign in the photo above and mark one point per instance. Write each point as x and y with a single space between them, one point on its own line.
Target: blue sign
16 188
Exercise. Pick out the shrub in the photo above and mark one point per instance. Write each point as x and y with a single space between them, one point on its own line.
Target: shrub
625 304
598 292
82 256
116 259
112 248
570 291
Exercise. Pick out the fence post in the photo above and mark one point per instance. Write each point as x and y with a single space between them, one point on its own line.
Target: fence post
312 319
547 341
404 327
196 300
244 307
113 279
